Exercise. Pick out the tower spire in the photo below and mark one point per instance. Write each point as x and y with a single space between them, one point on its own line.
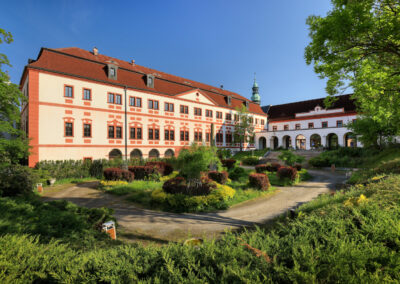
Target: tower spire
255 96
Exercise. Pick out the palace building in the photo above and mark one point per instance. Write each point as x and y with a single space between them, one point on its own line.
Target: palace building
85 105
308 125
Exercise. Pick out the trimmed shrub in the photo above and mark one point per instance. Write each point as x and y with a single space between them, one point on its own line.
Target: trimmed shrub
259 181
298 167
251 161
17 180
118 174
392 167
178 185
287 172
142 172
162 167
263 168
274 167
228 163
237 173
220 177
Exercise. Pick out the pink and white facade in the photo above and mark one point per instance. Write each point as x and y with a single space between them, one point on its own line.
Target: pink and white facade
76 109
307 125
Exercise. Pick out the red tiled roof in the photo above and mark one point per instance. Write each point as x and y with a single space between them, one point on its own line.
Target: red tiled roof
288 111
82 63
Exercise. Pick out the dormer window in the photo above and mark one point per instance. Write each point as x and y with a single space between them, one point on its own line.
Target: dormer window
112 71
246 103
229 100
150 80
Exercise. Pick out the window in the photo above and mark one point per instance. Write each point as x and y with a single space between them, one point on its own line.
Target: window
111 132
87 94
310 125
354 120
69 131
132 133
118 132
169 107
208 137
197 111
114 131
112 72
118 100
219 115
87 130
209 113
134 101
251 120
297 126
184 109
169 135
111 98
262 122
220 138
198 135
274 128
324 124
339 123
139 133
184 135
228 116
153 104
228 138
68 91
256 120
286 127
154 134
236 117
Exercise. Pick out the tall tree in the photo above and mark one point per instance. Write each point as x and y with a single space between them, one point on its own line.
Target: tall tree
14 147
244 128
357 45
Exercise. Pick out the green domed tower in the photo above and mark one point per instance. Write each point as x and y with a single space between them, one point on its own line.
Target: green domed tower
256 96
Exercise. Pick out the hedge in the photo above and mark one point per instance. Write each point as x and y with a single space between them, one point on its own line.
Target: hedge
220 177
259 181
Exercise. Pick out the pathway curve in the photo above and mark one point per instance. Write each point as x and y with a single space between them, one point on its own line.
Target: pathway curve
172 226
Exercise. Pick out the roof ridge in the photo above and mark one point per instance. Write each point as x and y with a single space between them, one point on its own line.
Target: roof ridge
308 100
207 87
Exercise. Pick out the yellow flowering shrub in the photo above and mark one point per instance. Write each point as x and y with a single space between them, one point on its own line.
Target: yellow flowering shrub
362 199
172 175
356 201
107 184
159 195
224 191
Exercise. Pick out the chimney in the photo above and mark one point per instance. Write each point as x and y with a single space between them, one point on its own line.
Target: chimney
95 51
133 62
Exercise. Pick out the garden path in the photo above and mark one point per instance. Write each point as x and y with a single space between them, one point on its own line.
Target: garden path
136 223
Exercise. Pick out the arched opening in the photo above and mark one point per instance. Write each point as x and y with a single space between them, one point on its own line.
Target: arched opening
262 143
136 154
169 153
153 154
332 141
315 141
115 154
274 142
300 142
350 140
287 142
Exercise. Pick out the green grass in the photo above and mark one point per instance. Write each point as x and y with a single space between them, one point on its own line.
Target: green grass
74 180
243 195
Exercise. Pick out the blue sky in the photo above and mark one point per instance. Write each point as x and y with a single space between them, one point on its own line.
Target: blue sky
218 42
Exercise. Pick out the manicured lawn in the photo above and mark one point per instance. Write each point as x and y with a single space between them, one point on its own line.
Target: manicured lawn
245 154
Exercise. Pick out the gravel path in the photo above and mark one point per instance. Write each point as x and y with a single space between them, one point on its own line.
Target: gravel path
136 223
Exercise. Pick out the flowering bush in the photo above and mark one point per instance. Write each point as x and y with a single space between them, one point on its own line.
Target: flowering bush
118 174
228 163
287 172
259 181
220 177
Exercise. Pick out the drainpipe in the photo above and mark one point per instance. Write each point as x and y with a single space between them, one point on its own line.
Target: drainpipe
126 133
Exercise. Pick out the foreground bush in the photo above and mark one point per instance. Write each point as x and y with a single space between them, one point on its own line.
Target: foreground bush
263 168
259 181
220 177
287 173
237 173
118 174
17 180
349 237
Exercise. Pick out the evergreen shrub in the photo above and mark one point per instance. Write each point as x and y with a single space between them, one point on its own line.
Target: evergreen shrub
287 172
237 173
17 180
220 177
118 174
263 168
228 163
141 172
163 168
